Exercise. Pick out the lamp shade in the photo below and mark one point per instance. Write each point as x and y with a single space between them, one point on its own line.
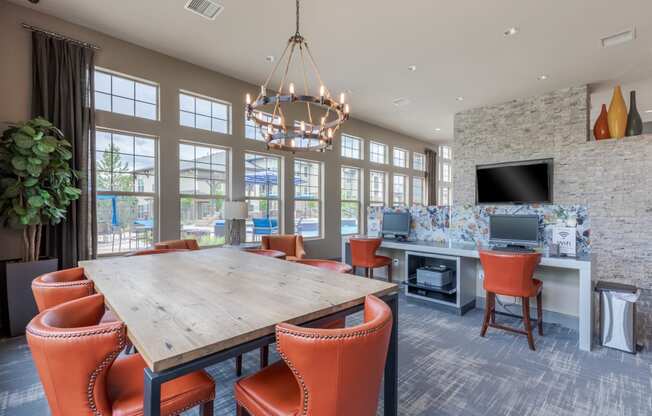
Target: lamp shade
235 210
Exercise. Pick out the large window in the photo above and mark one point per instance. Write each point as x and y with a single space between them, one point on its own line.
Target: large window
126 166
419 161
418 190
351 200
307 197
203 188
263 194
123 95
351 147
377 152
400 190
258 133
400 157
204 113
445 175
377 188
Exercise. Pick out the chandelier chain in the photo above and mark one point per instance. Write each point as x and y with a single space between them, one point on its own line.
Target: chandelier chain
297 33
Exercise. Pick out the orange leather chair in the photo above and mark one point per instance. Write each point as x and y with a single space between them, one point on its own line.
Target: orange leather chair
77 360
188 244
324 372
269 253
291 245
363 254
154 251
333 265
510 274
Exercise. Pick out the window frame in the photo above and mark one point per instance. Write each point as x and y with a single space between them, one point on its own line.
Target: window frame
319 199
228 182
422 158
373 143
135 80
359 200
372 202
281 188
360 141
154 195
250 124
194 95
406 191
445 163
406 152
423 200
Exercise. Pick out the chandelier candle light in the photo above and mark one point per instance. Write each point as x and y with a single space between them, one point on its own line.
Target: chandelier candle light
324 114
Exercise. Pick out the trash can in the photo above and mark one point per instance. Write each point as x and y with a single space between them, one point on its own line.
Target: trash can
618 315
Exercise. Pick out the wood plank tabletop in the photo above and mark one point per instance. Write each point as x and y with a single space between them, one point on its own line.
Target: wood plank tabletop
182 306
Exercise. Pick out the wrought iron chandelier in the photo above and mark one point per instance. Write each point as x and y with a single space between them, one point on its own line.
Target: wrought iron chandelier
321 116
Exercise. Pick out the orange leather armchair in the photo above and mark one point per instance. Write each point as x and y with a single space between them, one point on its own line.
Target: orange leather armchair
363 254
154 251
291 245
51 289
510 274
77 360
323 372
188 244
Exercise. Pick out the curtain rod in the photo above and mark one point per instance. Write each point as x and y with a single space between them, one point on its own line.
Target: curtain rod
60 36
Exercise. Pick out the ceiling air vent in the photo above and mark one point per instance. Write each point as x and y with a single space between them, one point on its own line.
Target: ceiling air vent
205 8
400 102
618 38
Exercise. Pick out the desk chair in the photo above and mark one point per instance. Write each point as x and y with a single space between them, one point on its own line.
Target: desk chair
291 245
363 254
510 274
188 244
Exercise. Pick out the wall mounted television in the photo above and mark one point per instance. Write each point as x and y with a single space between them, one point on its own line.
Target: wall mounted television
515 182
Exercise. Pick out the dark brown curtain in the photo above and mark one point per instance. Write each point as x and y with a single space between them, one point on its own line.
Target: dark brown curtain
431 176
62 84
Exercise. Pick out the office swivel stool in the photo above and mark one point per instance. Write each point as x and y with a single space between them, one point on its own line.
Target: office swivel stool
510 274
363 254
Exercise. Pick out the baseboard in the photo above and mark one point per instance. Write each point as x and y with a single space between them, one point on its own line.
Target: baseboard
567 321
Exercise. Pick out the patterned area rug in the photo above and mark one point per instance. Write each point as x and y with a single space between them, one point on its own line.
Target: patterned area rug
446 368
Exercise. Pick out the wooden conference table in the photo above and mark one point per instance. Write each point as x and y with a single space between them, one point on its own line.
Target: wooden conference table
186 311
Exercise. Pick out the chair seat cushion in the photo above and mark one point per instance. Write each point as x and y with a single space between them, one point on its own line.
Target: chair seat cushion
125 387
382 261
271 391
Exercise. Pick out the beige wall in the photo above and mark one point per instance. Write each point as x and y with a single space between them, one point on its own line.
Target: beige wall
173 75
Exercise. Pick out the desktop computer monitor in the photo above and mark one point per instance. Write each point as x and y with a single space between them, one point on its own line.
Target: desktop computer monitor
396 224
514 230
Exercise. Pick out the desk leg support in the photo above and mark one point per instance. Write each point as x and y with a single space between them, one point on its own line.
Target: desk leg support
586 309
391 366
152 399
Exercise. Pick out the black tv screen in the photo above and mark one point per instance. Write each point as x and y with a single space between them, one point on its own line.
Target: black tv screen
518 183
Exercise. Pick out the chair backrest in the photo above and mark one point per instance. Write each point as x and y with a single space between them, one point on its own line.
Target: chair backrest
73 352
509 273
52 289
155 251
291 245
363 251
333 265
339 371
187 244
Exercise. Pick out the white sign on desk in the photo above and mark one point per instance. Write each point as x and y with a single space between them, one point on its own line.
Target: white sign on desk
564 237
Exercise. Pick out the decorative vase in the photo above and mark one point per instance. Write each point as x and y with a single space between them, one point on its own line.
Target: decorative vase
634 122
601 128
617 115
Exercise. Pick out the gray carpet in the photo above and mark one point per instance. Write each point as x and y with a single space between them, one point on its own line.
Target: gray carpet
445 368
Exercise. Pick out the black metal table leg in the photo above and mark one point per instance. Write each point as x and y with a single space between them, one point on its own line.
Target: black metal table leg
152 399
391 365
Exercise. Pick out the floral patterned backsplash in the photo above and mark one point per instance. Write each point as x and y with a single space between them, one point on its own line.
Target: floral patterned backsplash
471 222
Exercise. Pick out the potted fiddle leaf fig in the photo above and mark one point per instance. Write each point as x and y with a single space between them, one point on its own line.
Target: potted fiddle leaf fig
36 189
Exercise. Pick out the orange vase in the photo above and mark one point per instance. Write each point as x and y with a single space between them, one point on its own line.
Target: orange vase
601 127
617 115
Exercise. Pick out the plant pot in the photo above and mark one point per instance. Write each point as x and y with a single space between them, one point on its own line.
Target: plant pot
18 302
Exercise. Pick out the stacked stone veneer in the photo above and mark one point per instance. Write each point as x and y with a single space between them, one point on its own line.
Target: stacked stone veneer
613 178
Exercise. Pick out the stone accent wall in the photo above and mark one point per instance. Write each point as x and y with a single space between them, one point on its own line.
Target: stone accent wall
613 178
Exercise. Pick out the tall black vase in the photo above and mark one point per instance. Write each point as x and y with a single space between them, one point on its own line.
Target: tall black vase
634 122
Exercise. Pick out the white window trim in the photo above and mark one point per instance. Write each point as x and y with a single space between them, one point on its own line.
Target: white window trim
228 104
423 190
281 187
407 157
361 141
406 189
136 79
385 186
386 153
322 234
422 156
360 201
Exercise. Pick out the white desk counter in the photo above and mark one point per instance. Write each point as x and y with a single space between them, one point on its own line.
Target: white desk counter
465 251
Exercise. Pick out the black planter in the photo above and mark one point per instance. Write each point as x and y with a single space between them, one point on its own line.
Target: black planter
18 302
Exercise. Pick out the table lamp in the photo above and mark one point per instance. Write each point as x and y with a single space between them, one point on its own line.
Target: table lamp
236 212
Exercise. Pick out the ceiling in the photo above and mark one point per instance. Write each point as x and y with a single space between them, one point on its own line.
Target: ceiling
366 46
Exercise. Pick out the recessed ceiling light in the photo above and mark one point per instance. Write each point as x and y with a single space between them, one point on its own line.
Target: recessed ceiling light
542 77
270 58
511 31
412 68
437 129
460 98
400 102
